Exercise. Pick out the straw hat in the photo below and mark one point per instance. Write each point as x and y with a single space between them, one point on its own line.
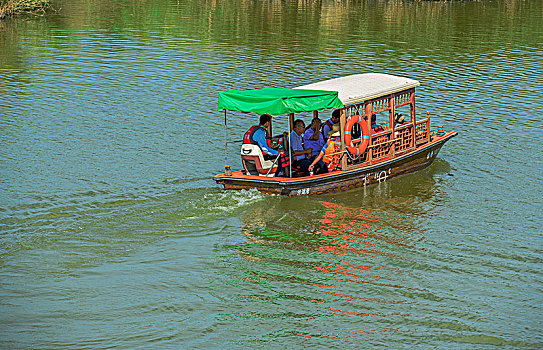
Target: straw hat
334 132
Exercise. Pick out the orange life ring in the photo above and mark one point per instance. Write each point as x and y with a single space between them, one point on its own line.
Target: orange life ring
348 138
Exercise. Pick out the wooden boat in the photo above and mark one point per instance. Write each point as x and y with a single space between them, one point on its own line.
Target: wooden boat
394 150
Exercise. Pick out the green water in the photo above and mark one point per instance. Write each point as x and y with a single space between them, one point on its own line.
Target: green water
113 234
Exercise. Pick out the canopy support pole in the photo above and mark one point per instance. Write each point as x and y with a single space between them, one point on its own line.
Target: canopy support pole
289 147
290 127
291 121
227 168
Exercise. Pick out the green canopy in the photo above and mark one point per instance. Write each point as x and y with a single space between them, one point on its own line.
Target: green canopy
277 101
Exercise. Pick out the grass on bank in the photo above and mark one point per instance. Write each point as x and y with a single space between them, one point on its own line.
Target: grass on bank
16 7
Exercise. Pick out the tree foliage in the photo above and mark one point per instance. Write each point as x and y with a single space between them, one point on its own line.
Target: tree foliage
14 7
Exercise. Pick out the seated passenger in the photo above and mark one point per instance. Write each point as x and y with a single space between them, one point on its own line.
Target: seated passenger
330 152
258 135
375 128
327 126
313 137
301 154
398 120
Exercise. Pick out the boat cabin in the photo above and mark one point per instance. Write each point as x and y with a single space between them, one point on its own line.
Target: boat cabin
382 96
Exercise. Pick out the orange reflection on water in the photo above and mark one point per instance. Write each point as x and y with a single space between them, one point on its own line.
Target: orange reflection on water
359 226
322 336
354 313
319 285
346 230
354 236
349 297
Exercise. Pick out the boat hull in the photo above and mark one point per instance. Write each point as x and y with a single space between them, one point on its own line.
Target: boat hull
339 181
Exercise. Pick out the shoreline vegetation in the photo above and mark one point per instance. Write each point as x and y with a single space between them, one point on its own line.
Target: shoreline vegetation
17 7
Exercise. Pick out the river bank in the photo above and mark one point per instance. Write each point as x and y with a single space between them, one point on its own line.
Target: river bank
17 7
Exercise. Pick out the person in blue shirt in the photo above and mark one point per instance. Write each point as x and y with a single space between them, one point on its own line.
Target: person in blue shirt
258 135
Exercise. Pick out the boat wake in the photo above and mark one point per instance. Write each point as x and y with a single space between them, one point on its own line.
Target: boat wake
229 201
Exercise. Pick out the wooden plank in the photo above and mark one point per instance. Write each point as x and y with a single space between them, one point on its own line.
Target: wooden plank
381 143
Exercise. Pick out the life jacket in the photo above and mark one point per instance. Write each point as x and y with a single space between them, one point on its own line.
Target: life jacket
377 128
331 159
285 161
248 137
330 125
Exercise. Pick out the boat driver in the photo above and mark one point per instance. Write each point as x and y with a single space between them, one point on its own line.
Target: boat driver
258 135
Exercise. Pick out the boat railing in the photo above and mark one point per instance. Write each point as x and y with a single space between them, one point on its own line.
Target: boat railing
403 138
388 144
381 145
422 131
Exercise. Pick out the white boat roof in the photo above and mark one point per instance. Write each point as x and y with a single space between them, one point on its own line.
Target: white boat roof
362 87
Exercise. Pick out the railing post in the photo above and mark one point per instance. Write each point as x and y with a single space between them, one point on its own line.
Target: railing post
428 126
368 121
413 120
392 122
